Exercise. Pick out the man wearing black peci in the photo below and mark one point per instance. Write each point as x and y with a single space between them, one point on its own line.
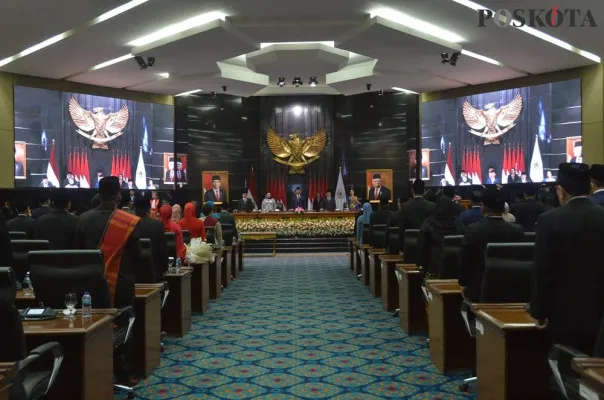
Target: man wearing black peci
152 229
23 221
513 177
597 184
415 211
217 193
528 210
298 201
328 203
568 280
59 227
378 192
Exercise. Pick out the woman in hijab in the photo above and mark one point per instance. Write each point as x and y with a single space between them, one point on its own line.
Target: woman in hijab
362 220
176 213
165 214
443 222
194 225
507 217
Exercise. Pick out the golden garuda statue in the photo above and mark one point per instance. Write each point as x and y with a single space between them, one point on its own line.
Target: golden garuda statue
103 127
297 152
492 122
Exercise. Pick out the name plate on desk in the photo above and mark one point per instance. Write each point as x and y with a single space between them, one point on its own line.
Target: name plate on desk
586 393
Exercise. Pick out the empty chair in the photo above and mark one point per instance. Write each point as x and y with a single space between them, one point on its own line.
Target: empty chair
366 234
228 232
145 270
171 242
20 249
450 257
393 240
17 235
411 250
186 236
28 384
378 236
508 272
530 236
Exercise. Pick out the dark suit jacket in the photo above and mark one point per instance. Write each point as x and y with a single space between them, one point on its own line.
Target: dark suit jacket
468 217
90 232
489 230
6 253
246 205
317 204
412 215
19 169
23 223
38 212
493 182
295 203
328 204
527 212
598 198
513 179
59 228
210 196
153 229
384 194
569 276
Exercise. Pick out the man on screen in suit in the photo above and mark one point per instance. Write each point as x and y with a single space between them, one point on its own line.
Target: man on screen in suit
180 175
568 275
492 179
298 201
329 202
246 204
70 182
46 183
378 192
577 152
217 193
99 176
513 177
19 170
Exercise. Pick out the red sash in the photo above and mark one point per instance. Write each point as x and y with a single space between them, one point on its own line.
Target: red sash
117 232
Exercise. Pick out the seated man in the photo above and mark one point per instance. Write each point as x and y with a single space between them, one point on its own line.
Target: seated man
23 222
59 227
151 228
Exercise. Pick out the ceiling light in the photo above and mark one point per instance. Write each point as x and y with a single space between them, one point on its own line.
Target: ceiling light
313 81
326 43
188 93
281 82
398 89
538 34
297 110
178 27
118 10
482 58
163 75
111 62
297 82
416 24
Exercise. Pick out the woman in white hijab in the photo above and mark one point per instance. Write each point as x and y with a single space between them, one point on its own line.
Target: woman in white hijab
507 217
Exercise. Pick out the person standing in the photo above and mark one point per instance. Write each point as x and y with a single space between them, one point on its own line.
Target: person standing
298 200
567 293
268 204
492 179
152 229
246 203
58 226
597 184
43 209
317 202
528 210
212 223
23 221
193 224
513 177
474 214
362 220
328 203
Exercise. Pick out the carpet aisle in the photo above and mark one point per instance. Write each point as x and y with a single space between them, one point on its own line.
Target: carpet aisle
298 327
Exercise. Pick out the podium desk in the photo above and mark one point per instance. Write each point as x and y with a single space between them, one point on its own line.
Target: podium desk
410 299
87 369
200 287
22 301
389 282
591 372
451 346
176 314
364 249
511 354
146 336
8 371
225 266
233 257
215 272
240 254
375 271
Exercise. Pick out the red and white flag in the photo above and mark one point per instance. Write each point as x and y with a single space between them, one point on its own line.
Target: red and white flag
52 171
449 171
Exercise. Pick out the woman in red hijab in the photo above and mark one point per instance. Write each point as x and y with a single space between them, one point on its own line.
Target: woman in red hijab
192 223
165 214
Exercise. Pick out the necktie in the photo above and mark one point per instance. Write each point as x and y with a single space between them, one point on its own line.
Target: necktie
376 193
217 195
171 175
178 175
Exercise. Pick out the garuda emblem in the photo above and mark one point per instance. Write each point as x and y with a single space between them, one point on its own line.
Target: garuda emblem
492 122
297 152
98 126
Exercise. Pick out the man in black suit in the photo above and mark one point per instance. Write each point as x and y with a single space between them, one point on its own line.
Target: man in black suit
70 182
45 183
23 221
492 229
528 210
298 201
577 152
597 184
59 227
246 203
180 175
379 217
217 193
568 279
415 211
328 203
378 192
152 229
43 209
513 176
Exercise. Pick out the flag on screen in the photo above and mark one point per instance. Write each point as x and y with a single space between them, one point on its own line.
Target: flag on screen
504 169
251 189
536 173
141 174
340 193
310 191
52 171
449 172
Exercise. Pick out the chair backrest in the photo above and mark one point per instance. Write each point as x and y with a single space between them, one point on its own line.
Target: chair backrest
378 235
55 273
411 251
508 273
145 272
17 235
186 236
20 249
530 237
171 242
228 232
13 346
393 246
449 268
211 235
366 234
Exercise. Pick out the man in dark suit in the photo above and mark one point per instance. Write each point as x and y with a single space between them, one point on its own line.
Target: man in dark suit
152 229
414 212
43 209
122 181
246 203
513 176
23 222
328 203
59 227
528 210
597 184
492 229
577 152
298 201
70 182
474 214
180 175
99 176
217 193
378 192
45 183
492 178
568 279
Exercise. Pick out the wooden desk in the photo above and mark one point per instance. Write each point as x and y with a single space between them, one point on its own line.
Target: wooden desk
389 282
200 287
87 369
7 373
22 301
411 301
375 271
511 354
240 254
176 314
215 272
147 329
260 236
591 372
225 266
365 263
233 257
451 346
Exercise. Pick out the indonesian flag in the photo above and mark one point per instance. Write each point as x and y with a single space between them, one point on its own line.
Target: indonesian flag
505 171
449 172
52 171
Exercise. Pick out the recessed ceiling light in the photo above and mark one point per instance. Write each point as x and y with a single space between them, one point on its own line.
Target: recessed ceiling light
538 34
326 43
398 89
188 93
178 27
118 10
416 24
163 75
481 57
111 62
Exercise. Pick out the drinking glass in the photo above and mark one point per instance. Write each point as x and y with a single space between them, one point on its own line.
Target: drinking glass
170 264
71 301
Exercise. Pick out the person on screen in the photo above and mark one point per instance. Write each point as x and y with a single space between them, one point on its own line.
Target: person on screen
131 185
414 171
298 201
492 179
549 177
268 204
99 176
577 152
353 201
464 180
329 203
170 172
524 178
443 182
46 183
378 191
316 203
19 170
151 185
154 203
70 182
123 183
246 203
181 175
513 177
217 193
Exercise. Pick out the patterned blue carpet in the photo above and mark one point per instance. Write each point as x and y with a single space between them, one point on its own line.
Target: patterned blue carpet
297 327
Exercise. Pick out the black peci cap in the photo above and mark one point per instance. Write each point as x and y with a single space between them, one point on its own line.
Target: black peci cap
109 186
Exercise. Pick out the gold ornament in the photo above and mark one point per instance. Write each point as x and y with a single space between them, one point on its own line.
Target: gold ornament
103 127
297 152
492 122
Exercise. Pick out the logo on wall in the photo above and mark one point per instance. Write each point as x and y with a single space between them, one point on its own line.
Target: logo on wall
297 152
492 122
102 128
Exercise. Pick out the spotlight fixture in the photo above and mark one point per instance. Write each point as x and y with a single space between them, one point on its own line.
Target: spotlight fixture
368 86
452 61
281 82
313 81
213 95
150 61
224 88
454 58
297 82
141 62
444 57
380 92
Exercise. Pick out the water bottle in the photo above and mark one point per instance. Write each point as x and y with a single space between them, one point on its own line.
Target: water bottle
177 264
86 305
28 288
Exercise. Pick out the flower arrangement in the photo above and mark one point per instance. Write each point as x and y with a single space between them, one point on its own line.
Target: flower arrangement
299 210
301 227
